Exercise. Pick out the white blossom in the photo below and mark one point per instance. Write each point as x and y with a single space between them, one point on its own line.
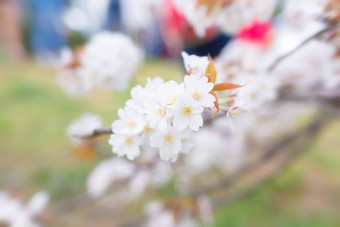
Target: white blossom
72 80
199 88
130 122
172 90
85 125
110 59
157 116
107 61
107 172
195 64
187 112
125 145
169 144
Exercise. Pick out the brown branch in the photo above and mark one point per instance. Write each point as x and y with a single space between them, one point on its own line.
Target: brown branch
99 132
316 35
309 132
267 155
327 100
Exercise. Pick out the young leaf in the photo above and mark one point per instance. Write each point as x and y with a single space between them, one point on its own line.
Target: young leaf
217 106
210 72
225 86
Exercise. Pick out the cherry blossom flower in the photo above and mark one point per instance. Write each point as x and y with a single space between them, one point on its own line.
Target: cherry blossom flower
125 145
110 59
172 90
157 116
130 122
169 144
199 88
195 64
107 61
187 112
107 172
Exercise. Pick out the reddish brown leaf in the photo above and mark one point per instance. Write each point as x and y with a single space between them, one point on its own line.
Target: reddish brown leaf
210 72
225 86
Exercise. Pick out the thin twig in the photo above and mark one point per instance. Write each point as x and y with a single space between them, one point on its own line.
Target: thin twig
99 132
310 132
327 100
316 35
108 130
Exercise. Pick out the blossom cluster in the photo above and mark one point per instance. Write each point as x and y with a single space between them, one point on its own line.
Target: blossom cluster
107 61
164 114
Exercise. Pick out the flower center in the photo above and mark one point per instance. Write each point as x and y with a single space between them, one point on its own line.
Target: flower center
168 138
174 98
131 124
147 129
159 111
196 94
186 110
128 140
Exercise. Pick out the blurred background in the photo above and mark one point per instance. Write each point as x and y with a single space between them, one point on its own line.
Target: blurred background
35 152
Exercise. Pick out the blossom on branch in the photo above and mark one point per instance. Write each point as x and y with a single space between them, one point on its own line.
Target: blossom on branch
165 115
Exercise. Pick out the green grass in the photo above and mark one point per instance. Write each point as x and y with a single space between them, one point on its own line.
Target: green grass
305 195
36 154
35 150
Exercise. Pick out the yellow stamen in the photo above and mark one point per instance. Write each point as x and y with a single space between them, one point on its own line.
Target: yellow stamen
186 111
159 111
131 124
168 138
128 140
147 129
197 95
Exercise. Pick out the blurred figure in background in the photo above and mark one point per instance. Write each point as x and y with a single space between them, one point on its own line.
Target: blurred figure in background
86 16
140 21
113 20
178 35
10 30
48 34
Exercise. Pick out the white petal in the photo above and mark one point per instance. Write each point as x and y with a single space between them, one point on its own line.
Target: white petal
165 153
185 99
207 88
196 108
157 140
207 100
163 124
195 122
180 122
133 152
117 126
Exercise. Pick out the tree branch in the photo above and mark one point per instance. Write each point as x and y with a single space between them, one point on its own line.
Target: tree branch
99 132
316 35
312 128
